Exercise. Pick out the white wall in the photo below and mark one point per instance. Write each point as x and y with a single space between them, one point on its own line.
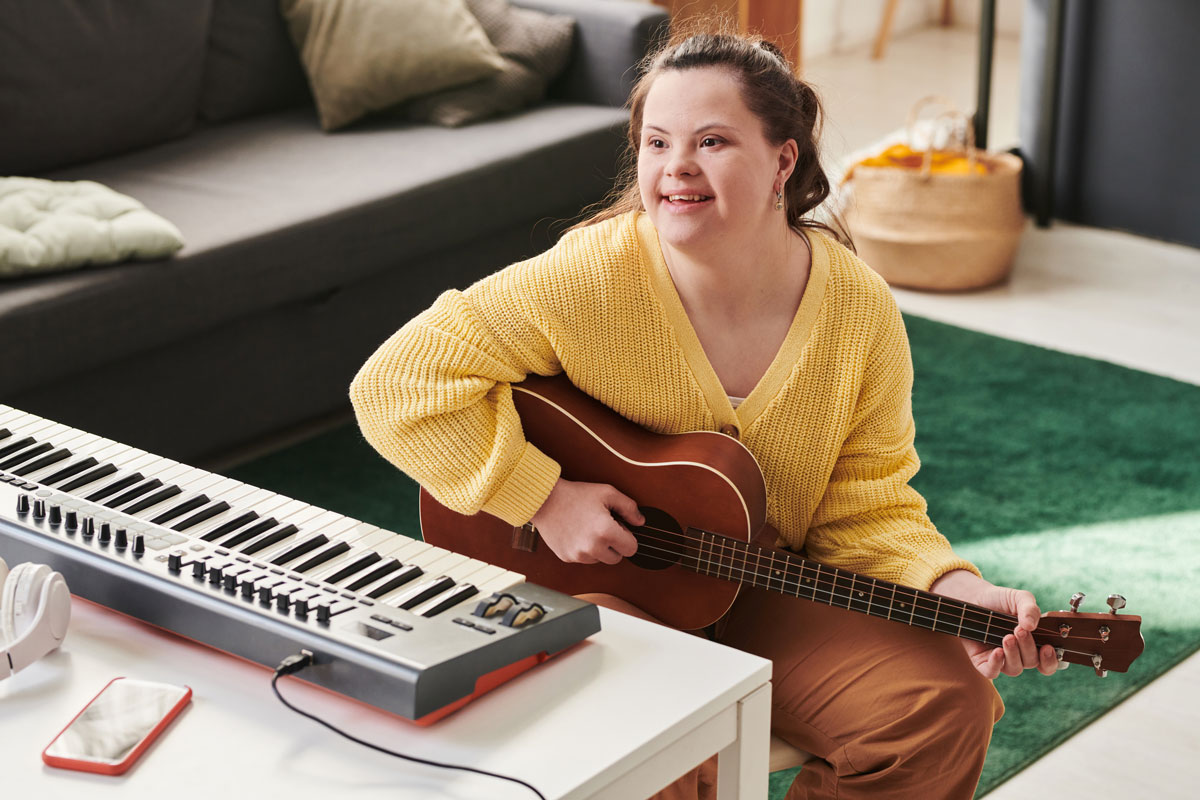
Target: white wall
834 26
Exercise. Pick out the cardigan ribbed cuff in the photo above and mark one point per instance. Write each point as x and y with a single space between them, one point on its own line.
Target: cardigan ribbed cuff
928 567
526 488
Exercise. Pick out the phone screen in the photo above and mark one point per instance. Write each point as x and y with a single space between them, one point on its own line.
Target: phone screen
117 720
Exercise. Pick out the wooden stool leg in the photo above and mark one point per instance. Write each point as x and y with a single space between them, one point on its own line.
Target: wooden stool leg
885 29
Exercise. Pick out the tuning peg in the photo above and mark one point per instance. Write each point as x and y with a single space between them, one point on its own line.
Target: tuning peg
1076 599
1116 602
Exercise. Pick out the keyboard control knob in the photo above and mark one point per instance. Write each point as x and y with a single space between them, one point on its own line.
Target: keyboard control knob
323 615
121 539
22 503
247 589
264 595
55 515
72 520
216 574
105 533
175 561
283 601
198 569
139 544
39 509
89 527
301 607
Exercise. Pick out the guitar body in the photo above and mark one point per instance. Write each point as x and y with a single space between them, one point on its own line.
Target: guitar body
683 484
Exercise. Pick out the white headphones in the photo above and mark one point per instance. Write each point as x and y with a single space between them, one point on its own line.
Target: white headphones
35 607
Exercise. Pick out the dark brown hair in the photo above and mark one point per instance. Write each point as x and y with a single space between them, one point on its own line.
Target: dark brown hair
787 107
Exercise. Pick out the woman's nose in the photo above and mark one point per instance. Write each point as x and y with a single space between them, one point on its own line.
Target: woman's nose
682 162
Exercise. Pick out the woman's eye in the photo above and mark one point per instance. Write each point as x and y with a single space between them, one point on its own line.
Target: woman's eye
710 141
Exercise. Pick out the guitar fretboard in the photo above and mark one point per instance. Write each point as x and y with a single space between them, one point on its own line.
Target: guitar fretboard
787 573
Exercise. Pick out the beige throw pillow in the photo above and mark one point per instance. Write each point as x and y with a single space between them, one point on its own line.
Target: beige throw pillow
366 55
535 47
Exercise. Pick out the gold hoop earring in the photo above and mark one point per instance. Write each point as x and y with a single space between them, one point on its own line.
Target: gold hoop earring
779 201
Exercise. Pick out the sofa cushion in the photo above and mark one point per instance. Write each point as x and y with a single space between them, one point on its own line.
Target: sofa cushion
535 48
251 67
274 214
82 79
367 55
54 225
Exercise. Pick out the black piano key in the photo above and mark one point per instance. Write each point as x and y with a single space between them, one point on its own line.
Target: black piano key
274 537
320 558
201 516
44 461
231 525
5 433
190 504
303 548
103 471
402 577
165 493
132 494
388 566
419 594
357 565
24 455
69 471
450 599
249 533
20 444
115 486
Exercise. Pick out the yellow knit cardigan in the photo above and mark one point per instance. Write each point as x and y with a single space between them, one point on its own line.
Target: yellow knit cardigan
830 422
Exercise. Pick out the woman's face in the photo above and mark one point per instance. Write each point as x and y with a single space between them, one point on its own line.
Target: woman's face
705 168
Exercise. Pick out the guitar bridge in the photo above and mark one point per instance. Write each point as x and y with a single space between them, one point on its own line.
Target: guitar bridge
525 538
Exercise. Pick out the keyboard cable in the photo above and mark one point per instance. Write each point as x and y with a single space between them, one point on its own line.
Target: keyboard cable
298 661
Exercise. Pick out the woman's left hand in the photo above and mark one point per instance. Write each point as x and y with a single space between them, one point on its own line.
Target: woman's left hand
1018 651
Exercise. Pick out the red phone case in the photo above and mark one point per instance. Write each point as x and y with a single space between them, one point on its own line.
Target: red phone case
134 754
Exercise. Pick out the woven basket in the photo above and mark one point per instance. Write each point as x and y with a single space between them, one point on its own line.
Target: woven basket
946 232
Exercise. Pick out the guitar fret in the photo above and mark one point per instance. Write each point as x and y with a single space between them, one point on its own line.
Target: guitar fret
730 559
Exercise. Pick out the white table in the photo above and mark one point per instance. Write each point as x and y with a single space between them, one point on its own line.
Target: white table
619 716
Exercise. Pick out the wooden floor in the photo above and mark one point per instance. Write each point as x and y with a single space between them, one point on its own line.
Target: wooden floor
1102 294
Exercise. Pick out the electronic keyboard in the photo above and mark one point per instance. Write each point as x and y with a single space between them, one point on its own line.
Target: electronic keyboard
408 627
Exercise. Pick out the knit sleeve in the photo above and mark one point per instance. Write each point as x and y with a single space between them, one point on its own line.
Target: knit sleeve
435 399
870 520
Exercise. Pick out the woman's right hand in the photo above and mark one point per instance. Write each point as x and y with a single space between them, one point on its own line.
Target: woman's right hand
579 522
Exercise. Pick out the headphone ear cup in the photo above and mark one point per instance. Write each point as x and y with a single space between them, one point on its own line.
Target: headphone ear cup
3 604
21 592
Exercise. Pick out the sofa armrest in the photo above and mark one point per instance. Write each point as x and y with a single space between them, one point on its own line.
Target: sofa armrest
611 38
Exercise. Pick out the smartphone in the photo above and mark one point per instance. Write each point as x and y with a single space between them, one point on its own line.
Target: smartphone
117 726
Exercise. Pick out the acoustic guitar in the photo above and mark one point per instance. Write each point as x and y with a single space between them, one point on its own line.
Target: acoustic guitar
705 537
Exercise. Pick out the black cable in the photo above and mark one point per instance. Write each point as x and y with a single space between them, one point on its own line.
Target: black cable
298 661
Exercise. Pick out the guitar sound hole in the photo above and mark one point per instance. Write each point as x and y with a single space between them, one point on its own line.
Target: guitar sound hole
659 540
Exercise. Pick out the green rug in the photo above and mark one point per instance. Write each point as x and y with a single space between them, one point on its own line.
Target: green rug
1051 472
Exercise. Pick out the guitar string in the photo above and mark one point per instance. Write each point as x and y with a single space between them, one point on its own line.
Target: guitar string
902 616
816 568
871 604
991 638
983 617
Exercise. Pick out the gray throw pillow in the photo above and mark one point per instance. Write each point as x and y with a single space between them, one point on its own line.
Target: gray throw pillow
535 47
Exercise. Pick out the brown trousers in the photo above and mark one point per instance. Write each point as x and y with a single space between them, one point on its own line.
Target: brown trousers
889 711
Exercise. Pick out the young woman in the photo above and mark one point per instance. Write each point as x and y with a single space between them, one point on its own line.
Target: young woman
705 298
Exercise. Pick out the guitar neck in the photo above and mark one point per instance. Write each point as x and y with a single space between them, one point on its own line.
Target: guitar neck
787 573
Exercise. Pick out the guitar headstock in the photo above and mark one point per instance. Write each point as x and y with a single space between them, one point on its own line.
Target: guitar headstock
1101 641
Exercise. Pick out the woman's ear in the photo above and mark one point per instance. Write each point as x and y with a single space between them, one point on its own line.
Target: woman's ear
789 153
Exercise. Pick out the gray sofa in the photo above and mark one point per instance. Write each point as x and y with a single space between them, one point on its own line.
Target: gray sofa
304 249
